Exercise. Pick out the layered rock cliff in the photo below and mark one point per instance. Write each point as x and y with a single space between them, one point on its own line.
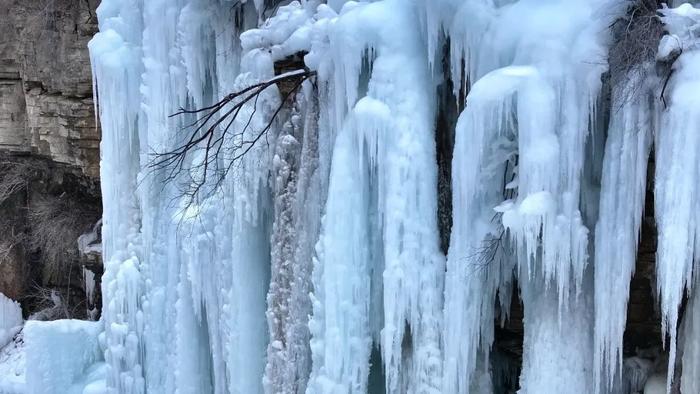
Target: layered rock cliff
49 149
46 104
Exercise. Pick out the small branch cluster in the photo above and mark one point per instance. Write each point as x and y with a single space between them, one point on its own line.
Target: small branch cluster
493 246
52 304
488 251
213 134
636 41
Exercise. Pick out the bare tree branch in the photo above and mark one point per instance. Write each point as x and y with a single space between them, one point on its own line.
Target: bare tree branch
209 134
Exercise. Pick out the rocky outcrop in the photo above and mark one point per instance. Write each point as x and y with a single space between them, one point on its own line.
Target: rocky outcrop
49 151
46 104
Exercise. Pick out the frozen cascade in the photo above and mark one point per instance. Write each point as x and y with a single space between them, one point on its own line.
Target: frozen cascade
163 282
519 156
314 266
677 173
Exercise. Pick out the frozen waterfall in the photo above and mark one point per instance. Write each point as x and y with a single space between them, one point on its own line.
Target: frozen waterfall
292 244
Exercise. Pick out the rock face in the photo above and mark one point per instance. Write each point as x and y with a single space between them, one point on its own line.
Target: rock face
49 149
46 104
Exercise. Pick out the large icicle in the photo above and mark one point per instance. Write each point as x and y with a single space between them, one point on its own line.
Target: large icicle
380 214
622 197
341 339
690 380
478 265
552 338
115 55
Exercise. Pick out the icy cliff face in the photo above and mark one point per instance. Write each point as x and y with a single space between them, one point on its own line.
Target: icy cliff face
314 265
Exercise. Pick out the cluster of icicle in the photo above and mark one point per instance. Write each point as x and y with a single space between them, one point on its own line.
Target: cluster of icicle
316 266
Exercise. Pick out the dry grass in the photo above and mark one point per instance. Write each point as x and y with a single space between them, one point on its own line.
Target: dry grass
14 177
56 223
9 244
44 210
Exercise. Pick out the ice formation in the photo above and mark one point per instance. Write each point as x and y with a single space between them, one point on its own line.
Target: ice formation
314 266
623 191
675 190
10 319
73 365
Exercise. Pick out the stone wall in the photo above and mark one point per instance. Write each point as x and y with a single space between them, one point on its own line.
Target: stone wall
46 104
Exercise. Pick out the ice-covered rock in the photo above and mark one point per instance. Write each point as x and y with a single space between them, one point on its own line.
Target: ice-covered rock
61 355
